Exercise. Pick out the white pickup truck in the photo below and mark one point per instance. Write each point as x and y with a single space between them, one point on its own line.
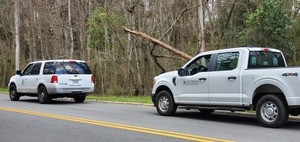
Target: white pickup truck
236 79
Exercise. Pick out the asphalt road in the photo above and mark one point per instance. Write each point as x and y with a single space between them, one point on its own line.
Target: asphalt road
64 120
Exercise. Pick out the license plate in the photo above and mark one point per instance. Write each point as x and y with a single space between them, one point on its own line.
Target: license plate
75 82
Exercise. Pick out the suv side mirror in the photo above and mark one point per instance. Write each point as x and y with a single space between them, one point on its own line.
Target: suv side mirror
18 72
181 72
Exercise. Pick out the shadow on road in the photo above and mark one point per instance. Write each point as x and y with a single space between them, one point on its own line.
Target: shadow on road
233 118
57 101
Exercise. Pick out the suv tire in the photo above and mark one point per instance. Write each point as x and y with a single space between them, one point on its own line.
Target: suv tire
43 95
79 99
13 94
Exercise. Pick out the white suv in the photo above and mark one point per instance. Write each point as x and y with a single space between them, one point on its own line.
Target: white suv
52 79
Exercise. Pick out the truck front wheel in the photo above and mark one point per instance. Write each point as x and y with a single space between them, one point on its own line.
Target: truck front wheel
165 104
271 111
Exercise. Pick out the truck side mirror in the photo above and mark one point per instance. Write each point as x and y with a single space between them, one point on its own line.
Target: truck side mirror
18 72
181 72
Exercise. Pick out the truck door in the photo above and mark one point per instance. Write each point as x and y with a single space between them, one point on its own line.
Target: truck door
192 86
225 81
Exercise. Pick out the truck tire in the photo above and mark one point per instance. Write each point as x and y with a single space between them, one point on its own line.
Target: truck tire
271 111
79 99
43 95
13 94
165 104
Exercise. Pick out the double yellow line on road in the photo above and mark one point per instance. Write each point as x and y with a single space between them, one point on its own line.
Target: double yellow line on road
118 126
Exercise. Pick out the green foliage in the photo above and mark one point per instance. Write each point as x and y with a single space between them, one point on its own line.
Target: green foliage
268 26
3 90
100 21
115 91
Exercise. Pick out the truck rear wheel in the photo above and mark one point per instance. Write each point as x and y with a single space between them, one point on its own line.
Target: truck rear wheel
271 111
165 104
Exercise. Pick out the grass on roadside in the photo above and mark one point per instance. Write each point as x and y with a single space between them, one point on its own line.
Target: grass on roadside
131 99
3 90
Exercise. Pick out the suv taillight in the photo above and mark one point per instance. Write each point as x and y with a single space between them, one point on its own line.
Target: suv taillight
92 79
54 79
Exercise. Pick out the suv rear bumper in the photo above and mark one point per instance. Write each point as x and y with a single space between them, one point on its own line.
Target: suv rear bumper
69 90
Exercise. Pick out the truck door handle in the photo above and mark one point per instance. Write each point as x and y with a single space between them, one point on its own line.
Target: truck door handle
231 77
202 79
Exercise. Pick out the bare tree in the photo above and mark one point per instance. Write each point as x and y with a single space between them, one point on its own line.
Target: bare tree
201 38
17 34
71 29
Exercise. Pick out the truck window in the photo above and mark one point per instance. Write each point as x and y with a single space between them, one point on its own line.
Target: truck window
227 61
263 59
198 65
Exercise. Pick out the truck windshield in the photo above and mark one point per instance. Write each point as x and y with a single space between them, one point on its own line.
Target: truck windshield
263 59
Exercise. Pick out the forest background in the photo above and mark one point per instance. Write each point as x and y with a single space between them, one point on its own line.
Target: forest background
125 64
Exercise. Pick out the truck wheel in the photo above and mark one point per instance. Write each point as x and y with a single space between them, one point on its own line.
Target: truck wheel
13 94
79 99
165 104
271 111
43 95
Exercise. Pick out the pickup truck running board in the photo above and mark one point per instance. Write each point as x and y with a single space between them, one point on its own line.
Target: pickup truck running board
214 108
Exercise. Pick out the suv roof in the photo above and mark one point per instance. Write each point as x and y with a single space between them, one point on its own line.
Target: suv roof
59 60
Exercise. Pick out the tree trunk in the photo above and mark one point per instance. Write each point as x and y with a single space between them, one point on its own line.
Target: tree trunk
33 31
201 38
89 36
183 55
71 29
17 34
4 73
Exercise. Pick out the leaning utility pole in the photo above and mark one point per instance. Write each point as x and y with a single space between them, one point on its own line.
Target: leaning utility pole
17 34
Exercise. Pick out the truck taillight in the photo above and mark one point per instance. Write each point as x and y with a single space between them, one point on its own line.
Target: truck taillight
54 79
92 79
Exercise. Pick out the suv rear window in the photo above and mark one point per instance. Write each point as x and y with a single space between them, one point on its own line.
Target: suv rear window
66 68
263 59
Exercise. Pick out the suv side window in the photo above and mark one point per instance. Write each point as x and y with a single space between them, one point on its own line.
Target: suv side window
27 70
49 68
227 61
36 69
198 65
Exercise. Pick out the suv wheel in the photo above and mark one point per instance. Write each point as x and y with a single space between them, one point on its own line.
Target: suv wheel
79 99
43 95
165 104
271 111
13 94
